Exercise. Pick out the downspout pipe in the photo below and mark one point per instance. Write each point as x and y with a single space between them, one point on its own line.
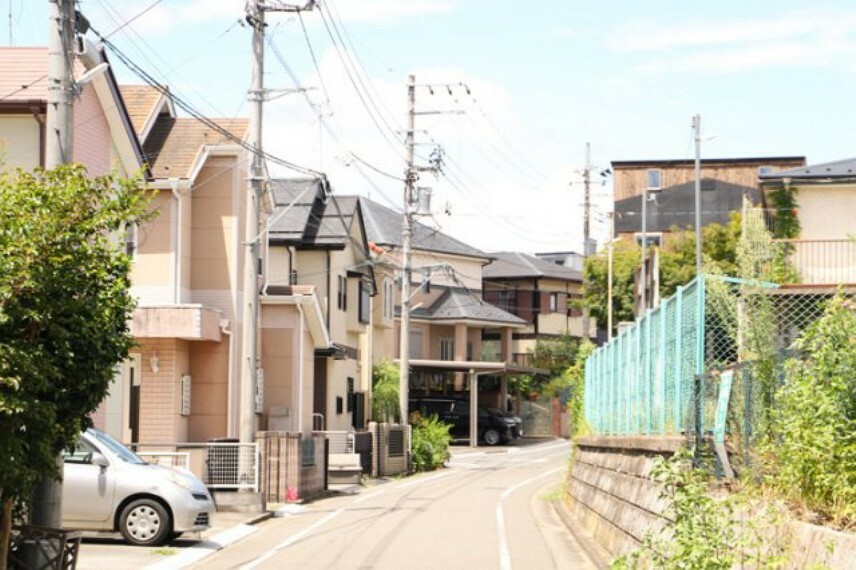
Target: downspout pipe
179 250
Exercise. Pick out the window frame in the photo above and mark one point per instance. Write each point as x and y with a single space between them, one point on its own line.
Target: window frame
648 175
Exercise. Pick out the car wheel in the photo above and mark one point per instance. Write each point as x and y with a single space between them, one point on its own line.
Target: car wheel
491 436
145 522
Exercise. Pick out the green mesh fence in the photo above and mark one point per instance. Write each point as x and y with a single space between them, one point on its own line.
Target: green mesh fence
662 375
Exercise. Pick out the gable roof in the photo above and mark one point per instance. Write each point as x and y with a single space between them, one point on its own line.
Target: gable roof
514 265
309 215
460 304
675 206
841 169
383 227
144 102
174 145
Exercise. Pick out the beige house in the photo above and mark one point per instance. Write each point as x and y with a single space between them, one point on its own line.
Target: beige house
449 320
541 293
317 242
824 253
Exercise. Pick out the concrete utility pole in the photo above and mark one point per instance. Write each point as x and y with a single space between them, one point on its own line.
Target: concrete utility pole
406 237
697 128
609 279
643 275
250 370
47 499
587 227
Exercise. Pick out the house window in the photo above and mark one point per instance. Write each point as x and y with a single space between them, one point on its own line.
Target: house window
655 179
415 344
342 294
365 303
447 349
653 238
554 302
131 240
762 170
507 300
388 299
350 394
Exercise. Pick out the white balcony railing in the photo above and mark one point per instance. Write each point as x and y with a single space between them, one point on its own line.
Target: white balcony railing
823 261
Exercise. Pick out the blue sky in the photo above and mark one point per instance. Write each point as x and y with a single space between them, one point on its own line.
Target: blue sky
545 78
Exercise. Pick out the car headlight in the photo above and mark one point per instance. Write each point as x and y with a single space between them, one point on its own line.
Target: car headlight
181 481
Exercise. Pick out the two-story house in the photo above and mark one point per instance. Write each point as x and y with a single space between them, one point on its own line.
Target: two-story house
317 242
671 192
539 292
824 252
449 318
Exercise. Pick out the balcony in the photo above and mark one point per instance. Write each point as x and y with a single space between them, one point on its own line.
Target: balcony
823 261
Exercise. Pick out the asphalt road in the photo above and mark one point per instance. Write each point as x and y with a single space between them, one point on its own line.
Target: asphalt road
488 509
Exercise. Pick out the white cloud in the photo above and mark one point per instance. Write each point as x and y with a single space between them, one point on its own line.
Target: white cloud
803 38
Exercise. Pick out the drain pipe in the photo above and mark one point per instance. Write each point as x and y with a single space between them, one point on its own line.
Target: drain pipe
179 239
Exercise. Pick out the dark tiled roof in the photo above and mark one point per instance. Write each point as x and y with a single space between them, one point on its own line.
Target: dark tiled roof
675 206
839 169
383 227
460 304
315 217
513 265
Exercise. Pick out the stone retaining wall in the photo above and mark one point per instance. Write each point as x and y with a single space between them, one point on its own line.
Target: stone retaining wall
610 489
611 494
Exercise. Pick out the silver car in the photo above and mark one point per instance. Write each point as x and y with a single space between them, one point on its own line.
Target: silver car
106 487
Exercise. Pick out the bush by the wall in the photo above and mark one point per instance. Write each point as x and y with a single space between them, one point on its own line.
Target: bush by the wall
430 443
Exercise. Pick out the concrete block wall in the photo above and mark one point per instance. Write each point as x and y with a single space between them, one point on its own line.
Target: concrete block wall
610 490
612 496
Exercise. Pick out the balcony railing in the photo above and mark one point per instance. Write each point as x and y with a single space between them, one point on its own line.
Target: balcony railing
823 261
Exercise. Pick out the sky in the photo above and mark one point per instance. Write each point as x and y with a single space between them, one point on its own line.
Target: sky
511 92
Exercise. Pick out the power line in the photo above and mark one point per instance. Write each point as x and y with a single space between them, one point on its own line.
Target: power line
139 14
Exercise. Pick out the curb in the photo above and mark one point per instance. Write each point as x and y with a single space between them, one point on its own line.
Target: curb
211 545
596 553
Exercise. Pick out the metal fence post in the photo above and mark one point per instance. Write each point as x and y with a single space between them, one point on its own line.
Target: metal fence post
661 371
699 368
647 373
679 334
747 412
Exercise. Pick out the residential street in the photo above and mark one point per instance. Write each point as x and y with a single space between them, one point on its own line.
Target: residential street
489 509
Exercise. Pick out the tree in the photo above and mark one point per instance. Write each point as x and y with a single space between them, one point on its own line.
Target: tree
385 386
64 312
677 267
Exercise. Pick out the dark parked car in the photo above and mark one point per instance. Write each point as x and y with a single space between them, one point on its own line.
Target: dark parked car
494 426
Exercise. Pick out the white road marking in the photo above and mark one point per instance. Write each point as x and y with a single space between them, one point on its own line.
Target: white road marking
504 552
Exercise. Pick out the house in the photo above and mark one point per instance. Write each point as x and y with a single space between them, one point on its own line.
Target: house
540 293
824 252
453 330
103 138
670 185
317 242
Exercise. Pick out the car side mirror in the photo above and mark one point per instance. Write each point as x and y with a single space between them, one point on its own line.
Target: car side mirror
99 460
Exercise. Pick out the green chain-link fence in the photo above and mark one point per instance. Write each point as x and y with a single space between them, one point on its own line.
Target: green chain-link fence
662 375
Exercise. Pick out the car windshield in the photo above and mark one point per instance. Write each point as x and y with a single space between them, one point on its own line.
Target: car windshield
115 447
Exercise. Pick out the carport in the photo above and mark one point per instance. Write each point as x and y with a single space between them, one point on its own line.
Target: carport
474 369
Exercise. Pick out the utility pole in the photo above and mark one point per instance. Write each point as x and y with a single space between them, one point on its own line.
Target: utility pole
643 275
250 370
406 237
697 128
47 499
587 227
609 279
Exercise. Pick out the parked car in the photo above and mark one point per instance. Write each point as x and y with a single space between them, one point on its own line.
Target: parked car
107 487
494 426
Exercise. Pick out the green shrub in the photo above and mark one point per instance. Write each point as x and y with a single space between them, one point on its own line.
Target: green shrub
812 450
385 386
430 443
